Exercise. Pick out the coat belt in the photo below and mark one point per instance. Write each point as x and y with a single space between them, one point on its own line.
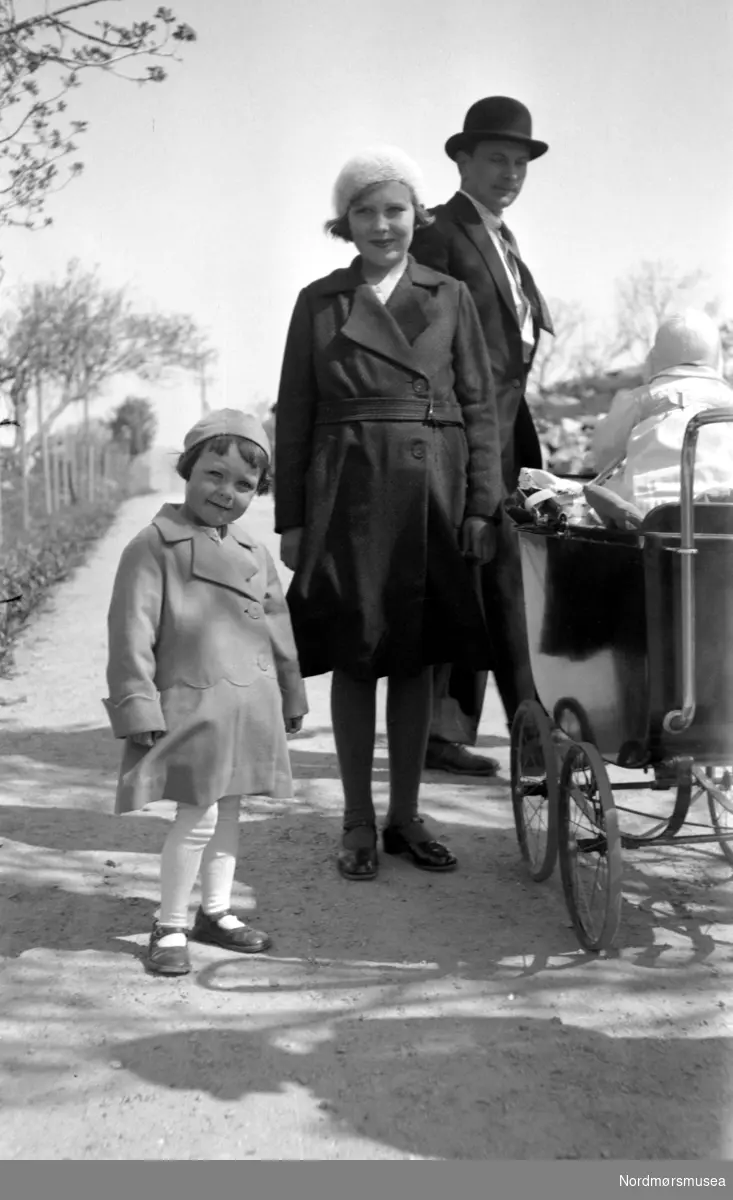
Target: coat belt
386 408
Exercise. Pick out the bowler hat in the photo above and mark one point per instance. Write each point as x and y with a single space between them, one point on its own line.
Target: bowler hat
497 118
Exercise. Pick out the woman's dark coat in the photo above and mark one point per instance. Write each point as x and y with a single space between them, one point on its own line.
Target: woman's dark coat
381 587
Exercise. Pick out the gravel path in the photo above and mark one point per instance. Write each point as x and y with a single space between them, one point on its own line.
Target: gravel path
417 1017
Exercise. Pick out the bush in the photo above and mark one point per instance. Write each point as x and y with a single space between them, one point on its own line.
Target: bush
52 549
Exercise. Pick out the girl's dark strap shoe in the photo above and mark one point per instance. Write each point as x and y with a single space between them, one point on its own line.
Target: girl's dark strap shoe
244 939
167 960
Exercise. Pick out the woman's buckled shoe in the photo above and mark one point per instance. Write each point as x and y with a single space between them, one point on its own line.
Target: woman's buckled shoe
167 960
426 853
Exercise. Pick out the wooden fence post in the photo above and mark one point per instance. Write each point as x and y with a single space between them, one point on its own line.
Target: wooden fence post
25 498
55 476
91 473
70 468
43 432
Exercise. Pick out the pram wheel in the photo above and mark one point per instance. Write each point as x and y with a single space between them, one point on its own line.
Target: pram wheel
590 847
721 818
534 788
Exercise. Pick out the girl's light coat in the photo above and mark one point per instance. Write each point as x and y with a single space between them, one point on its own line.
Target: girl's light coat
200 647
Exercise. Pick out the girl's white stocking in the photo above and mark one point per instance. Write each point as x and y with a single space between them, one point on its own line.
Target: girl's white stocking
180 860
219 861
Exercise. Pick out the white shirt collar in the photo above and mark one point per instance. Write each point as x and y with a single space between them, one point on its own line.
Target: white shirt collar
383 290
487 216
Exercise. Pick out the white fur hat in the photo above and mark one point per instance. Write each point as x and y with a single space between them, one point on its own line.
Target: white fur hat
375 164
690 338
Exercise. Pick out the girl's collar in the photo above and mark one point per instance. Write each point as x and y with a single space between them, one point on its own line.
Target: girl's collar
174 526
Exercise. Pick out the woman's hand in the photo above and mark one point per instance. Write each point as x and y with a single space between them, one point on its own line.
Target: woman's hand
293 724
478 540
290 547
146 739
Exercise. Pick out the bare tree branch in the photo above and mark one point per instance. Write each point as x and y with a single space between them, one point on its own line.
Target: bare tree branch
41 59
645 298
555 354
59 12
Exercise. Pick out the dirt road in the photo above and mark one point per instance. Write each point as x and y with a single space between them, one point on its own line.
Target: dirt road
416 1017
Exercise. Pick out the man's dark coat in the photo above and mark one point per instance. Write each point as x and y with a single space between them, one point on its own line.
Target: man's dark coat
457 244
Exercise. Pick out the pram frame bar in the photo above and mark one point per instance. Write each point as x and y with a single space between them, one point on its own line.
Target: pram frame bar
678 720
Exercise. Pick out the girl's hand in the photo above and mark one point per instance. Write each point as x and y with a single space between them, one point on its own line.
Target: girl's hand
146 739
293 724
478 540
290 547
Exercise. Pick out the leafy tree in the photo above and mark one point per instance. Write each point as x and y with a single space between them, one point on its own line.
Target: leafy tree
43 58
76 335
134 422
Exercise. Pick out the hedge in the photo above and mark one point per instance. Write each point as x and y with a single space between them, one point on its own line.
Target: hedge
53 549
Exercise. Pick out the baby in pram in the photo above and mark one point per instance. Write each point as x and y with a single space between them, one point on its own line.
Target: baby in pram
637 447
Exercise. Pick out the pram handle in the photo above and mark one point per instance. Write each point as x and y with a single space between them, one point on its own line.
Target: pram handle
679 719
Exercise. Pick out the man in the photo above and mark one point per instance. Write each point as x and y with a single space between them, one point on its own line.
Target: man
470 241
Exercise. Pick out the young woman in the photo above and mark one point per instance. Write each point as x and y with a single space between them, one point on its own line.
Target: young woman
389 479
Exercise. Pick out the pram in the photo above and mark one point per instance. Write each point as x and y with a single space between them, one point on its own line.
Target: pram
631 647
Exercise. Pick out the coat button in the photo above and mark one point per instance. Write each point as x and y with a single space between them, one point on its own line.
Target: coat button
263 662
419 386
254 611
418 450
516 383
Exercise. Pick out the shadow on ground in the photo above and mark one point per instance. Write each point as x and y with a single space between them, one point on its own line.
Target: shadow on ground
378 1012
72 879
465 1088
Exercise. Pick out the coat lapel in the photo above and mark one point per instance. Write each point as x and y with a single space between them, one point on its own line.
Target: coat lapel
372 326
466 215
409 307
230 564
396 330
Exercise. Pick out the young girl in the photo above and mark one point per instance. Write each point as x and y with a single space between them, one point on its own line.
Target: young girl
203 680
388 473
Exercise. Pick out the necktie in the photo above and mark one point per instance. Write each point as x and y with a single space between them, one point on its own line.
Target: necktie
512 261
524 311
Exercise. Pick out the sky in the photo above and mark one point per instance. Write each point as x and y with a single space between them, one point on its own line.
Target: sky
207 194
